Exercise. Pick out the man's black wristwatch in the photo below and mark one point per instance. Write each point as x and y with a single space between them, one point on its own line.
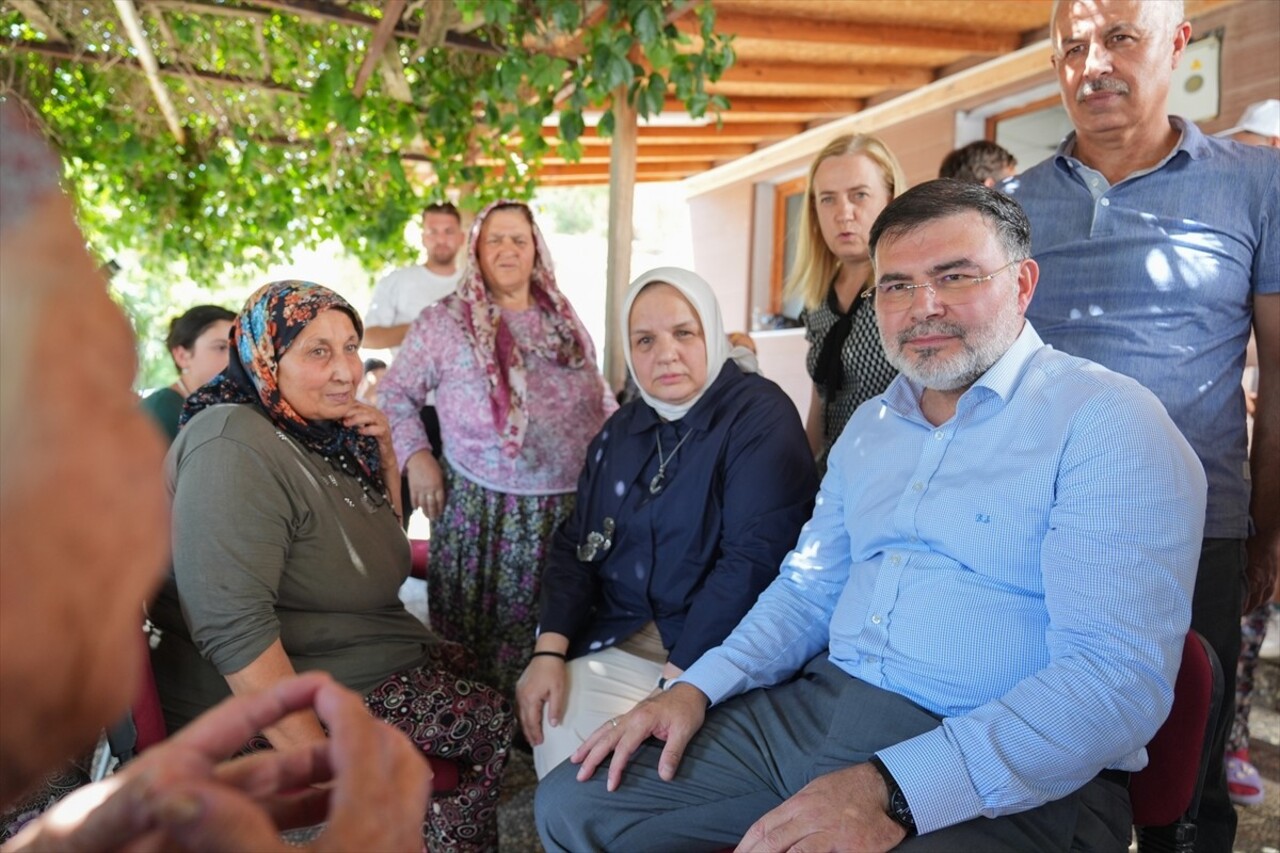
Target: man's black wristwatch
898 809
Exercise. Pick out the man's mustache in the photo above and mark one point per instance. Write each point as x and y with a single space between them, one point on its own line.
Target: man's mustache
1102 84
930 327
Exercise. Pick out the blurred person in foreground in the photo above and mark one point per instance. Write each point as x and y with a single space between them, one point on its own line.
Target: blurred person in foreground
72 586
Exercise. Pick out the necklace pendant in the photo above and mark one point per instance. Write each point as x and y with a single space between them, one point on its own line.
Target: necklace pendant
655 485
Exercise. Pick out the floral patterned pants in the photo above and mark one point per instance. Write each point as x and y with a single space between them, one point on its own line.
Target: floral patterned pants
1253 629
485 573
449 716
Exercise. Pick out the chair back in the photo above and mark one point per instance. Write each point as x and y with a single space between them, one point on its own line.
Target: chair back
421 549
148 718
1167 791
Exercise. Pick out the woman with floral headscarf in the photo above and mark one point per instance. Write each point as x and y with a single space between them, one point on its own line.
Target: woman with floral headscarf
288 556
519 398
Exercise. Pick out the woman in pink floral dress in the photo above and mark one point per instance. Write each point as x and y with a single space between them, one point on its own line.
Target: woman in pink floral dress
519 398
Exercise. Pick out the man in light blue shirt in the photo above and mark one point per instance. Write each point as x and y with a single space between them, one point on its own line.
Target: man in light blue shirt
983 619
1159 249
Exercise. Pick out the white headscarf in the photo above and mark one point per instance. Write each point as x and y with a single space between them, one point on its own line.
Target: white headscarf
695 289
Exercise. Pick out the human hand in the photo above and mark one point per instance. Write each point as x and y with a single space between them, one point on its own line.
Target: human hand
673 716
369 420
426 483
842 810
184 794
541 684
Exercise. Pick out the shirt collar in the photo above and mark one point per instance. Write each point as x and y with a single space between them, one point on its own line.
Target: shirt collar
1192 141
1001 379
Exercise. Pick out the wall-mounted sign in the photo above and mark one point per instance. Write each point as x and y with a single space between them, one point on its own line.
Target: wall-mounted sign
1194 92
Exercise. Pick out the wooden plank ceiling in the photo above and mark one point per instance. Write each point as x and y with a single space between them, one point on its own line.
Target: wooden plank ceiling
802 63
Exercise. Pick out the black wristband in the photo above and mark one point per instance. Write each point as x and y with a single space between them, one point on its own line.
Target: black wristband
898 809
662 683
560 655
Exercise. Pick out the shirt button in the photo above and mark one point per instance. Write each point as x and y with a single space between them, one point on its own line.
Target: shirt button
875 620
912 539
917 487
871 658
895 559
938 435
1106 202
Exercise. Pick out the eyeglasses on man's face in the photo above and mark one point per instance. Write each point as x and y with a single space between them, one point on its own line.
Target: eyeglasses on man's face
948 288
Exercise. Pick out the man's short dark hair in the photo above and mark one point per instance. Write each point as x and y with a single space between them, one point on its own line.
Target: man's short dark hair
977 162
945 197
443 207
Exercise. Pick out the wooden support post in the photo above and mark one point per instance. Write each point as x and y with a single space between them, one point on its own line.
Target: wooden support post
378 44
147 58
622 187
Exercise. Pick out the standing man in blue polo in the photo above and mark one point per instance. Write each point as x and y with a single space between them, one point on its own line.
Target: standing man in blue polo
1159 248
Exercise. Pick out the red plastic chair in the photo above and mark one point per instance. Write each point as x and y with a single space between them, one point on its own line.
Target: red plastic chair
1166 794
421 549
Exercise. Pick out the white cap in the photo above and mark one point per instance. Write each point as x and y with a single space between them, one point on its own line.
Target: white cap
1262 118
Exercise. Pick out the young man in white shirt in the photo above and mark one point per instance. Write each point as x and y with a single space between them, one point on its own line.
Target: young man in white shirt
401 295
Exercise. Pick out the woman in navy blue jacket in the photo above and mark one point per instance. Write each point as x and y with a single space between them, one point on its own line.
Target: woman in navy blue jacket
690 498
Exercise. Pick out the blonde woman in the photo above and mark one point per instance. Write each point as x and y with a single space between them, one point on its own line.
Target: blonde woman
850 181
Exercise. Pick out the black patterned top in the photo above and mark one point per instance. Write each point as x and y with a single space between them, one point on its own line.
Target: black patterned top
866 372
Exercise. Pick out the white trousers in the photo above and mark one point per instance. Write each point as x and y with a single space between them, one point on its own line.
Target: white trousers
602 685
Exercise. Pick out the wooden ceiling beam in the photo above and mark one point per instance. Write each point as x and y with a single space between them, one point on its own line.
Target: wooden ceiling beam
150 67
849 33
382 34
738 132
321 10
683 167
663 154
812 106
1001 71
603 180
203 7
62 51
808 73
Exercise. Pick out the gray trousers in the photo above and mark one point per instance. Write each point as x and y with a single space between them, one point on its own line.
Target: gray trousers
758 749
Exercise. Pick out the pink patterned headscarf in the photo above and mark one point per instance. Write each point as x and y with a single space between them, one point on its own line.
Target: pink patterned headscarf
566 342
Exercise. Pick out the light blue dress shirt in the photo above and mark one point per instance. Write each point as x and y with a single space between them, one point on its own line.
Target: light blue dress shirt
1024 570
1155 277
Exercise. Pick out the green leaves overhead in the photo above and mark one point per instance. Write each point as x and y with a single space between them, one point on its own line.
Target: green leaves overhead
280 153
